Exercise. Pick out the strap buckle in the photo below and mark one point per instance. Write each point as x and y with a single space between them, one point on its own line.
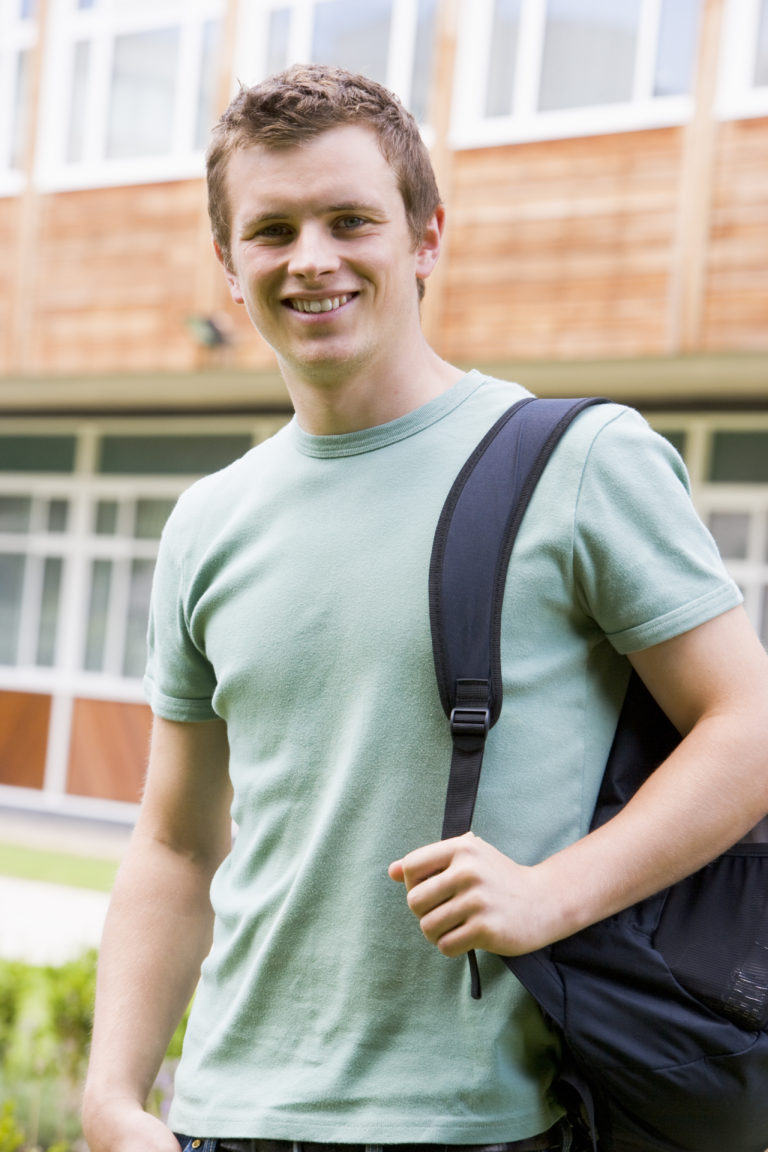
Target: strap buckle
470 721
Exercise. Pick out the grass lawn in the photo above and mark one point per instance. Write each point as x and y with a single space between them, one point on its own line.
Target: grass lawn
57 867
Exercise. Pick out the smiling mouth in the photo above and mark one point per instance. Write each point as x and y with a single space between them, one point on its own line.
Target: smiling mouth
327 304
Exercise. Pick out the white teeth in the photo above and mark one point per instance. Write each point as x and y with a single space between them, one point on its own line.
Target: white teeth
330 304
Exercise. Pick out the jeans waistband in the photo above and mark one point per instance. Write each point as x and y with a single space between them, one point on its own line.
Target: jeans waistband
544 1142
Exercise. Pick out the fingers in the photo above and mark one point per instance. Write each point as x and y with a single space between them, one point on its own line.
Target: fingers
424 862
439 885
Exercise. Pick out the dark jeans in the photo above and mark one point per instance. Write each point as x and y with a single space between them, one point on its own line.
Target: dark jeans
557 1139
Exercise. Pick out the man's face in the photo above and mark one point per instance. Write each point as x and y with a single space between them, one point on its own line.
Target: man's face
322 256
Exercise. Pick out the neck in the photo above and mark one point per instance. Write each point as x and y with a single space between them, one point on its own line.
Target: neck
334 402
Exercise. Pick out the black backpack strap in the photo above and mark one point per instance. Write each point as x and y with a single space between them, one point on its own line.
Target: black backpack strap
472 546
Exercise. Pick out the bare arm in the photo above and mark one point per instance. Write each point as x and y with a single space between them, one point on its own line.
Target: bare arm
157 933
713 684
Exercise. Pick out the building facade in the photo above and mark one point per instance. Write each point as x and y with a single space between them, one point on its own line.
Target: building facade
605 169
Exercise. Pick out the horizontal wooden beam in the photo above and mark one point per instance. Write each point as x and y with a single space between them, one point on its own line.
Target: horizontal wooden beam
724 381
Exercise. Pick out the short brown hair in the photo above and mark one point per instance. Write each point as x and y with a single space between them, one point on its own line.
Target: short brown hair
299 104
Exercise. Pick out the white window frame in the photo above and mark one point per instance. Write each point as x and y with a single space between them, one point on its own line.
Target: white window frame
471 128
750 573
252 40
67 679
737 96
99 26
16 36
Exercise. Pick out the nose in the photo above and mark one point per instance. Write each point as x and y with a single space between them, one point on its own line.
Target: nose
313 252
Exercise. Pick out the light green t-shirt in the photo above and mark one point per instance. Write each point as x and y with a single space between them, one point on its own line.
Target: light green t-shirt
291 599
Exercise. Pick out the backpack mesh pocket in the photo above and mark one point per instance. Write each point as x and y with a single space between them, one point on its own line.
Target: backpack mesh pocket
713 934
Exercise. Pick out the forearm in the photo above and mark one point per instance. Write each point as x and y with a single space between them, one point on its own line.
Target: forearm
701 800
157 933
704 798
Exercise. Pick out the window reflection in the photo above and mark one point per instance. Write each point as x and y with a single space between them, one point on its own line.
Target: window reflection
49 612
503 57
11 591
142 97
676 54
354 36
589 53
761 52
277 40
421 72
135 654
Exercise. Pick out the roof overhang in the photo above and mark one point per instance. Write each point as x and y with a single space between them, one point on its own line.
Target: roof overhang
703 382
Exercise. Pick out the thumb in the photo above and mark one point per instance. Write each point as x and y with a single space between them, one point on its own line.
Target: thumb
396 871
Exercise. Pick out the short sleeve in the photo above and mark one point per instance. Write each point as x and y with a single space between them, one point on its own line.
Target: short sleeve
646 566
179 682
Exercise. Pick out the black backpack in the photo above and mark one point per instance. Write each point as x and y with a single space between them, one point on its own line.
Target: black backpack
663 1008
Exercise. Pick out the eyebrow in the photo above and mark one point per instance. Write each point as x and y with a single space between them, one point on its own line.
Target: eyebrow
352 206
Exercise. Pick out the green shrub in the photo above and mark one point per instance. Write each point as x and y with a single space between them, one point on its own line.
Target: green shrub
11 1136
46 1016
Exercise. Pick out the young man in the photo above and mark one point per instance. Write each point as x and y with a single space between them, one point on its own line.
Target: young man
291 675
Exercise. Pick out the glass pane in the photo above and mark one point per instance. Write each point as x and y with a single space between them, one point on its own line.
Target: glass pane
20 106
423 55
58 515
676 438
206 92
676 53
731 532
11 589
138 615
49 612
503 58
589 53
352 35
168 455
151 516
106 518
28 9
761 53
739 458
15 513
78 102
277 40
37 453
143 90
96 631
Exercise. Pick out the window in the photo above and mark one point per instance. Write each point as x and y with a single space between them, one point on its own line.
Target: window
18 36
535 69
100 530
130 90
82 508
744 73
727 459
389 40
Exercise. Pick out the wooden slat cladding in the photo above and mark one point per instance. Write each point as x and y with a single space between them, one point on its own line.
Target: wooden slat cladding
116 278
736 300
119 272
561 248
24 718
9 221
554 249
109 748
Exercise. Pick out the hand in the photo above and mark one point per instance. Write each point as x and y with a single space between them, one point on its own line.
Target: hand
126 1127
466 894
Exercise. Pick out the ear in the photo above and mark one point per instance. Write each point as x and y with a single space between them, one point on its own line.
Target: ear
428 250
231 276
